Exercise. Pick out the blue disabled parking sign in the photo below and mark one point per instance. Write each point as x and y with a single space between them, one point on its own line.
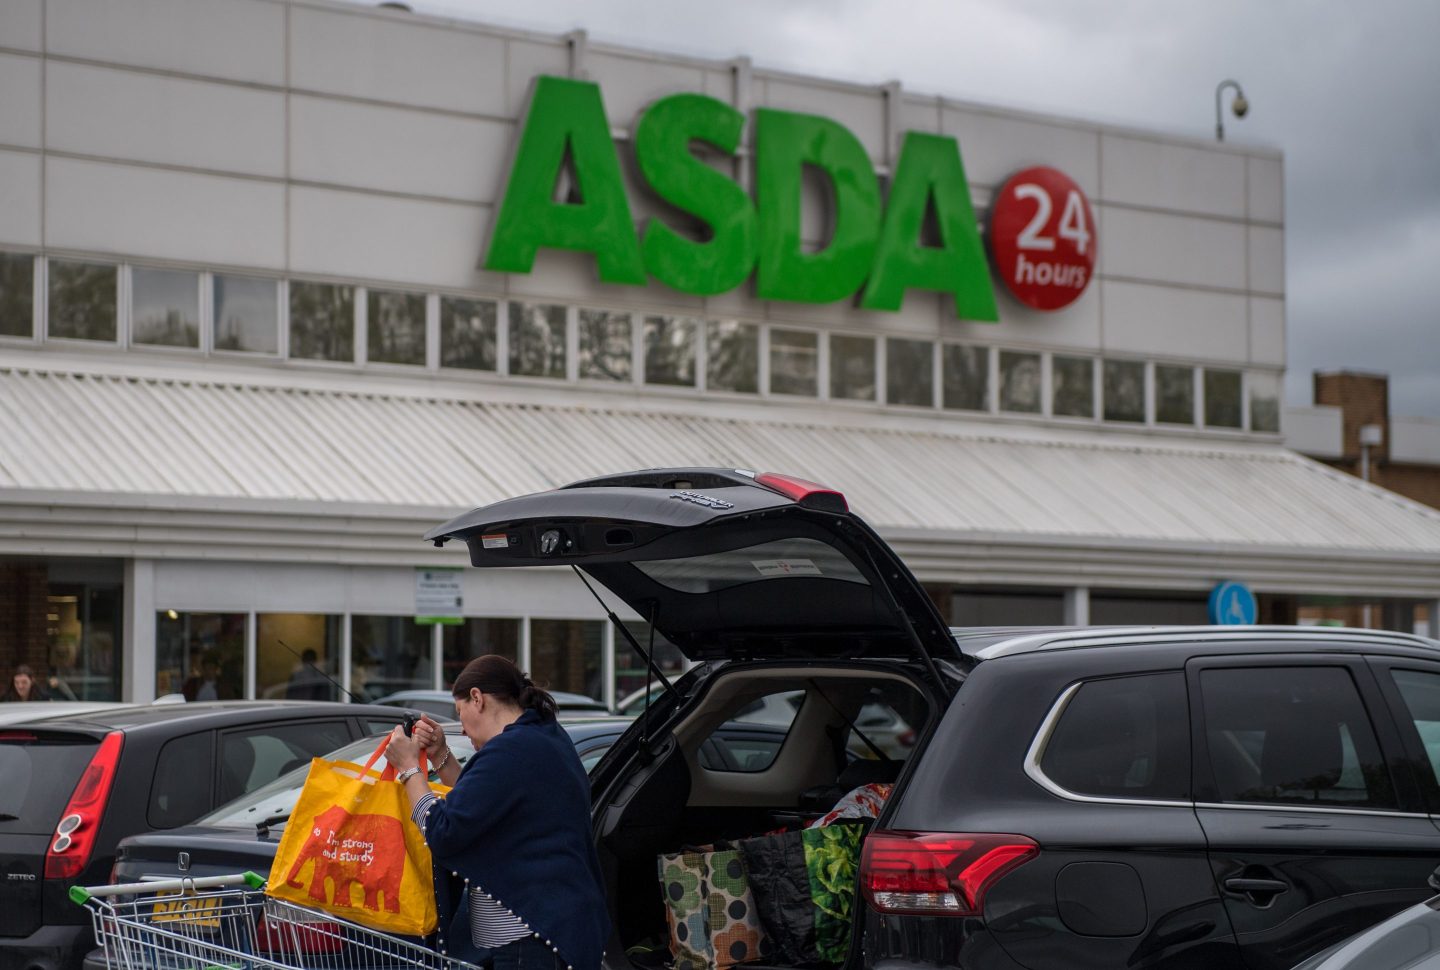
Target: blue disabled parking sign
1232 604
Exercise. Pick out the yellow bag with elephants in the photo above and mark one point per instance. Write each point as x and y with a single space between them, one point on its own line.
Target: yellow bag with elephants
350 849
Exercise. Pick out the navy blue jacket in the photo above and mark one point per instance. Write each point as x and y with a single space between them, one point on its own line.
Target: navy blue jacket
517 825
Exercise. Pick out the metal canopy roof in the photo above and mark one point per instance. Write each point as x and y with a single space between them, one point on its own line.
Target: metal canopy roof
321 450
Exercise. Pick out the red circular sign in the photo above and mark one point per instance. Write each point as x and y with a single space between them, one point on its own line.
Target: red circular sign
1042 235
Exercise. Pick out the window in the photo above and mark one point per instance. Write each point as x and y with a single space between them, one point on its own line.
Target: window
891 716
670 351
1222 398
200 655
395 327
1264 402
164 307
389 653
82 300
1421 693
605 345
966 375
733 354
1292 735
1127 737
794 362
1019 382
180 793
247 314
297 656
474 638
1174 394
17 295
1072 381
468 333
752 737
537 340
566 655
777 561
852 368
252 757
85 641
1124 390
630 671
322 321
910 372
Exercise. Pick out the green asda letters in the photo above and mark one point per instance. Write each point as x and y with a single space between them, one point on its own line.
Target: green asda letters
874 248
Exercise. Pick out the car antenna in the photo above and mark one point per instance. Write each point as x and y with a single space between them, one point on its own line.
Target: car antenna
630 638
322 673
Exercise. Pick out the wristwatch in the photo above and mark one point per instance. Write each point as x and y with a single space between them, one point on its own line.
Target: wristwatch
404 776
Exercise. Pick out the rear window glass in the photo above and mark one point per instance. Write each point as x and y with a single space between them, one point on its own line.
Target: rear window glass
180 792
782 559
752 738
1127 737
38 776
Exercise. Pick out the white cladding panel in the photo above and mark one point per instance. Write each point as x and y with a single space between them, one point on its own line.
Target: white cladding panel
1161 248
995 147
526 61
1174 323
1267 331
863 113
1267 260
923 114
629 84
241 41
145 212
1315 431
1265 185
1146 172
20 23
1415 439
19 99
383 58
20 198
397 150
174 121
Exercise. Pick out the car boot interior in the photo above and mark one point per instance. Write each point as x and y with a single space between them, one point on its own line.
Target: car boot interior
764 749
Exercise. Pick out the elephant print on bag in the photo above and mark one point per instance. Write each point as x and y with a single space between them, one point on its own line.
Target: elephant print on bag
346 849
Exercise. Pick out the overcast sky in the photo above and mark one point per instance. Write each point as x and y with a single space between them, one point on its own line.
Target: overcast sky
1349 92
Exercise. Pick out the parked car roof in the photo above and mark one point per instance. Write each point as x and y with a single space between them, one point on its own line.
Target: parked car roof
995 644
142 715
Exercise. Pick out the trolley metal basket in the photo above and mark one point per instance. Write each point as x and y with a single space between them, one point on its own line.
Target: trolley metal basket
228 923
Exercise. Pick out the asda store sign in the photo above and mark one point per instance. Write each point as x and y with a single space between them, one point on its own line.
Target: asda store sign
874 253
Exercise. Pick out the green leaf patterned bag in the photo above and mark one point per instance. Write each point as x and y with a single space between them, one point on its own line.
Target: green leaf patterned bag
804 887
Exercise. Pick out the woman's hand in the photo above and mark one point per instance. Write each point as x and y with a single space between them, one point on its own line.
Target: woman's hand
402 752
431 737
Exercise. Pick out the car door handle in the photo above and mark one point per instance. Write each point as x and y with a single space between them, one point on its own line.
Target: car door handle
1256 887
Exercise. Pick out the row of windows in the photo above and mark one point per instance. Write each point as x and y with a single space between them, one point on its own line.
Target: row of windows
303 320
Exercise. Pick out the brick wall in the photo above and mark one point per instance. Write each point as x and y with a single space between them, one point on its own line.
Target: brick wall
1365 399
23 634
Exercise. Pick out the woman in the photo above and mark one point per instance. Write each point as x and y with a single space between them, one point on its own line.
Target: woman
24 686
516 826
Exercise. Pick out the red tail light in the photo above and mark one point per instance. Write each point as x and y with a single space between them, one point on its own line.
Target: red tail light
804 493
321 936
938 874
75 833
17 736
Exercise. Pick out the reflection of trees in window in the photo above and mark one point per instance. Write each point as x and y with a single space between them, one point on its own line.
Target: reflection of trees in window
1124 390
670 351
1019 382
1264 402
467 333
395 327
17 294
322 321
82 300
1073 382
165 307
910 372
1222 398
605 342
537 340
1174 394
247 312
966 375
733 352
852 368
794 362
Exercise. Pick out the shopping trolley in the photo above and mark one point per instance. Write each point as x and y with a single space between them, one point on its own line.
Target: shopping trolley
228 923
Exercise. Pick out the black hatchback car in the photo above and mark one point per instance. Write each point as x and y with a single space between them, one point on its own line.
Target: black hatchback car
1211 797
72 787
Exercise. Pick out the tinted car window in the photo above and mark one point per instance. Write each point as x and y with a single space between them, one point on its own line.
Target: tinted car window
1421 692
1125 737
180 792
37 775
257 756
1292 735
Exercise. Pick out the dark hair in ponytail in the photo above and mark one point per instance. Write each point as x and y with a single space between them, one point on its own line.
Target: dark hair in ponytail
493 674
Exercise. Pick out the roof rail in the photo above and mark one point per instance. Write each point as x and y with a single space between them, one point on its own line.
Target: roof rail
1121 635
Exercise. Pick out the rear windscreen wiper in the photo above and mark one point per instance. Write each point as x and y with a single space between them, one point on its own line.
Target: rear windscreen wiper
7 817
262 827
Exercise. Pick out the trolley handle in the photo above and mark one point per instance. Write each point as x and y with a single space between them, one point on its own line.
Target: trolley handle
80 895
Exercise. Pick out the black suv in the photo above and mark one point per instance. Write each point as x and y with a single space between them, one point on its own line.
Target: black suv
71 787
1210 797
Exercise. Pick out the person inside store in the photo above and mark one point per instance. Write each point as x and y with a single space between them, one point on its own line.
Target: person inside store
307 683
514 829
204 685
24 686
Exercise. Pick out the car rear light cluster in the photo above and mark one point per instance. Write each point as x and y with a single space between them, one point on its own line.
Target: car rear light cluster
937 874
74 839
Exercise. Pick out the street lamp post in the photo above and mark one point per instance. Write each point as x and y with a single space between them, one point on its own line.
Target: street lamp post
1240 106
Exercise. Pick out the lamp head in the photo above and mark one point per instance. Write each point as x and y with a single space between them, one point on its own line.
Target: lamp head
1240 106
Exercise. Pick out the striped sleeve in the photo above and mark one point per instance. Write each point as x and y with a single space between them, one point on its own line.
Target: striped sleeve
422 808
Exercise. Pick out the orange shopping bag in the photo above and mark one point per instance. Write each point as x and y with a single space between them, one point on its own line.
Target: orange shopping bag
351 850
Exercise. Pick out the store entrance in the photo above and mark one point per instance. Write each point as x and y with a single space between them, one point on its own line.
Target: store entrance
64 622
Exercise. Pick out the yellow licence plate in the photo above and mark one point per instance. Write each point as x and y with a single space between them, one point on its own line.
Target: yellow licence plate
193 910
